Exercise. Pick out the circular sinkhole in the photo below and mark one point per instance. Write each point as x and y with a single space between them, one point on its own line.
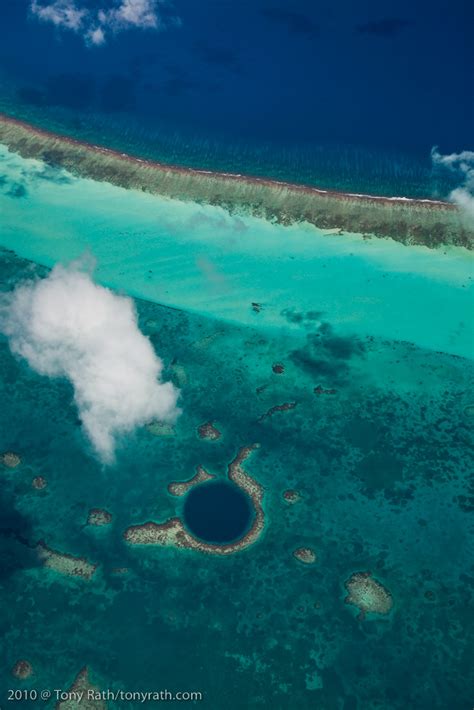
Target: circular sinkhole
218 512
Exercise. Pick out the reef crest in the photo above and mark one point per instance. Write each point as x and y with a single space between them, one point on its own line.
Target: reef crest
411 221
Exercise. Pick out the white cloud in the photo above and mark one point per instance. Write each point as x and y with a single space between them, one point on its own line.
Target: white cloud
67 326
131 13
62 13
95 25
95 36
463 165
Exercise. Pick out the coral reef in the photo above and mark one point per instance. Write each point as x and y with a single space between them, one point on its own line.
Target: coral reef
209 431
291 495
22 670
173 533
39 483
179 488
411 221
180 374
64 563
368 595
160 428
84 689
305 554
98 516
10 459
277 408
322 390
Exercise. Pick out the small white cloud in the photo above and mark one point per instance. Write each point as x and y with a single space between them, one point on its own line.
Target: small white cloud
95 25
461 164
95 36
62 13
67 326
132 13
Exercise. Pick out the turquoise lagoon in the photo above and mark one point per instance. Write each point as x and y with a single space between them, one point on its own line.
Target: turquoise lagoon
383 465
204 260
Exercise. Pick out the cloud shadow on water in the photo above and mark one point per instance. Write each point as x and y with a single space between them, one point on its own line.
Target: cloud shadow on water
294 22
328 355
16 543
387 28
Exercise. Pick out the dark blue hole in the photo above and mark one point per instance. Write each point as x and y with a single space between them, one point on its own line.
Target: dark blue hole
218 512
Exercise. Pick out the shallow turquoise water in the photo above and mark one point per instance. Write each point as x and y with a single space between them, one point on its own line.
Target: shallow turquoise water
200 258
384 465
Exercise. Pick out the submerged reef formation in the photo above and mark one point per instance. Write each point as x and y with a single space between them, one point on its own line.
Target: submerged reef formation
172 533
39 483
368 595
84 689
10 460
98 516
305 555
209 431
22 670
65 564
321 390
291 495
120 570
160 428
180 488
277 408
411 221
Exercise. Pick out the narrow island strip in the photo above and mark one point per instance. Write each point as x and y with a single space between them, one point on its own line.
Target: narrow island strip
180 488
172 533
411 221
277 408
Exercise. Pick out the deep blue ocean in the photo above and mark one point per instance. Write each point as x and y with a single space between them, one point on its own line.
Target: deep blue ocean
340 94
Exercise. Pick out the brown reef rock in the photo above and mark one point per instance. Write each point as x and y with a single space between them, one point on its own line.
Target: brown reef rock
65 564
209 431
277 408
99 517
83 688
180 488
321 390
368 595
292 496
22 670
39 483
10 460
305 555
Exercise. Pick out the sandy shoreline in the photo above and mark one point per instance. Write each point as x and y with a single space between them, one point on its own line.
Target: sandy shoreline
409 220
